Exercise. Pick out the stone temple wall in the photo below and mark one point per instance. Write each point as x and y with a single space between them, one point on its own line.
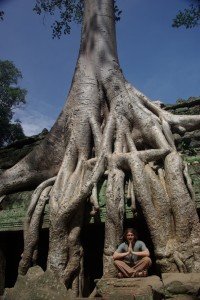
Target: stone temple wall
188 144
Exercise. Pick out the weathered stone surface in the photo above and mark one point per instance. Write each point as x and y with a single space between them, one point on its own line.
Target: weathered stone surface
191 106
38 285
130 288
178 286
182 286
11 154
13 208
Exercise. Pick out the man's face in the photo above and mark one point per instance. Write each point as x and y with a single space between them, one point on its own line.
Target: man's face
130 237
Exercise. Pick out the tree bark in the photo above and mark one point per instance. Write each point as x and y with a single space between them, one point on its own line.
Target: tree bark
108 126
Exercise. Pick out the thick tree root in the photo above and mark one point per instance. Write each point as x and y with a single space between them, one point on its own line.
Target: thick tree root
33 223
115 129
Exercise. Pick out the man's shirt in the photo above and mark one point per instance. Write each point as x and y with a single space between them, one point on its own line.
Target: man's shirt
139 246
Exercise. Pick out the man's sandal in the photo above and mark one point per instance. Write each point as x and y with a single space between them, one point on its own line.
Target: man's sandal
120 275
143 273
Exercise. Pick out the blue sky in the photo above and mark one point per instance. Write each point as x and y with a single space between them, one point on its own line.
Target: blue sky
159 60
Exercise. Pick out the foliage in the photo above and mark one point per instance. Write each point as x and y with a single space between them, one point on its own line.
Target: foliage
192 159
68 11
11 96
1 15
180 101
117 12
189 17
11 132
189 100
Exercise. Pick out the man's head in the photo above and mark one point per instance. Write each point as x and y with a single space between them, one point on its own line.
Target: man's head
130 235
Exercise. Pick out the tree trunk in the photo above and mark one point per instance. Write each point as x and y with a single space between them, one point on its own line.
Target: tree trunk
108 127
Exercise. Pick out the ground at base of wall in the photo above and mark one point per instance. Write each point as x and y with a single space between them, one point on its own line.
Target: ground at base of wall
175 286
40 285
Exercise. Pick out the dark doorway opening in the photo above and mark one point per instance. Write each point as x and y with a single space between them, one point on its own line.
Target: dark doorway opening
12 246
93 243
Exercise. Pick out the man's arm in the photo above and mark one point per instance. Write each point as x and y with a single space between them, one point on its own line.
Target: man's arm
118 255
121 252
142 253
144 250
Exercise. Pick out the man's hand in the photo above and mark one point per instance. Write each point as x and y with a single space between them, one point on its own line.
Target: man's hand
141 253
130 249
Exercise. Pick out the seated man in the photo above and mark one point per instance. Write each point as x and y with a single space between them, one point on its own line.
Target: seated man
132 257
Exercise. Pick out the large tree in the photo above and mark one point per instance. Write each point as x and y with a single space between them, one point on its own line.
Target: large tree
108 128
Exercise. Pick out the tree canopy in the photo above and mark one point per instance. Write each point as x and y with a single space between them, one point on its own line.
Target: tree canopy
189 17
11 96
